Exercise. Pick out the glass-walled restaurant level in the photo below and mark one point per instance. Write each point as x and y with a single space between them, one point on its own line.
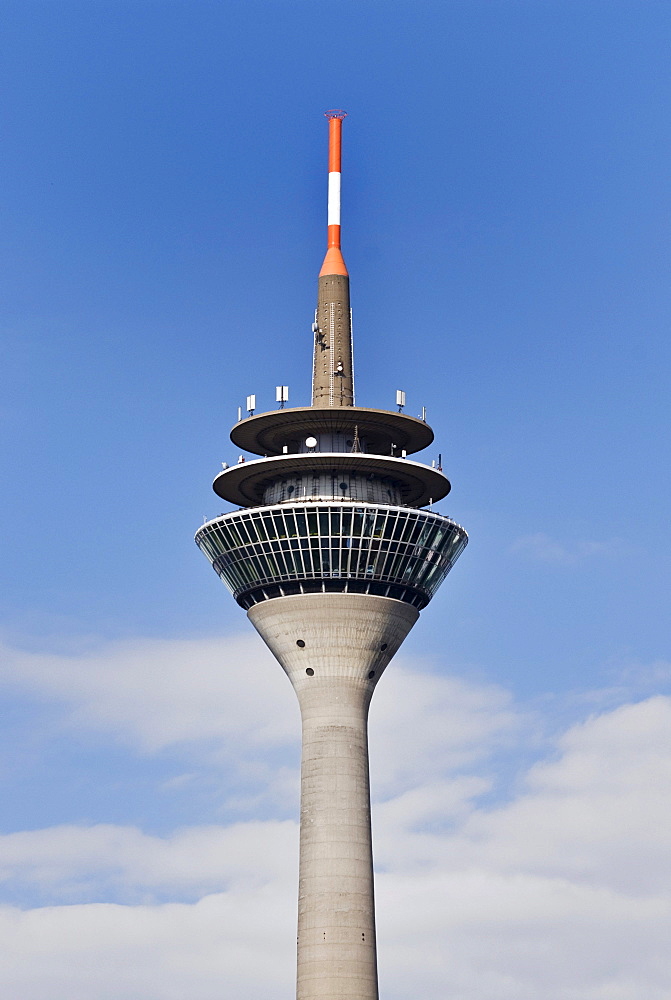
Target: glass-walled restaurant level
390 551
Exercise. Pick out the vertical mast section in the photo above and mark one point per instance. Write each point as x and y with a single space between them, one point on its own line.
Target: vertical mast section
332 375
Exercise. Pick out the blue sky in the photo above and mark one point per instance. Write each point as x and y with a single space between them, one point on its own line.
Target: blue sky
506 210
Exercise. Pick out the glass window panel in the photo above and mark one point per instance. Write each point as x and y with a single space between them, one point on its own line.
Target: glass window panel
222 536
234 540
288 568
249 567
388 530
375 559
279 563
423 571
324 561
242 530
309 561
235 531
250 524
435 536
408 525
401 565
273 568
432 578
291 560
442 533
414 528
206 545
388 553
457 545
244 571
299 559
398 527
409 569
280 528
387 569
425 533
355 553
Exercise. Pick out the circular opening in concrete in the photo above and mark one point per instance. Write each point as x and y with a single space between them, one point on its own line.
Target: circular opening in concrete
383 647
300 642
310 672
371 674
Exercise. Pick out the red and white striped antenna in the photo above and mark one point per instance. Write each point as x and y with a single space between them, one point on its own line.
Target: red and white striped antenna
333 261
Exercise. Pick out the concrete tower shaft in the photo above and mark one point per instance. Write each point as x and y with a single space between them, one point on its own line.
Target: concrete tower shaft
334 648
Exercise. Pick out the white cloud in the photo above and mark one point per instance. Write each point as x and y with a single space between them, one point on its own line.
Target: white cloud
561 891
424 726
154 693
237 945
481 935
106 861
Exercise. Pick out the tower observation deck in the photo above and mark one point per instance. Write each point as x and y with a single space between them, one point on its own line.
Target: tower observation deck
333 555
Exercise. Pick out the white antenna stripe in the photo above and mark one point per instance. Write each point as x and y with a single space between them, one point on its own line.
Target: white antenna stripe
334 199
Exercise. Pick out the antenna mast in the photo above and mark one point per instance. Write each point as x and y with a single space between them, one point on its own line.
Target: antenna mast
332 376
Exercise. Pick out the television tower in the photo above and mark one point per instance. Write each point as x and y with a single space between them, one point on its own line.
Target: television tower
333 554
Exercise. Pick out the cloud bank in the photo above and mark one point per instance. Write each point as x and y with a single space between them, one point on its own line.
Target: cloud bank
558 889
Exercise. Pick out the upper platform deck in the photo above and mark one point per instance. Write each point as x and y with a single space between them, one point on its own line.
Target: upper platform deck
270 433
245 484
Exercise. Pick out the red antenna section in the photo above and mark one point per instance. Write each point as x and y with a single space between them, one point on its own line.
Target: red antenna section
334 262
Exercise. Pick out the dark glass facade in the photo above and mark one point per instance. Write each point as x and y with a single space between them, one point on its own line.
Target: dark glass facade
268 552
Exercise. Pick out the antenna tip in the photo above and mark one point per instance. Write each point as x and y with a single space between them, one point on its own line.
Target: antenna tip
335 113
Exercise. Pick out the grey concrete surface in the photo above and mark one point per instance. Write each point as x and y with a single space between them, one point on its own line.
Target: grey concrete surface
334 648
